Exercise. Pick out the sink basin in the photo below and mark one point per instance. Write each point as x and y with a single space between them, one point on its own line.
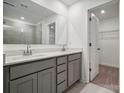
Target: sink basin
26 56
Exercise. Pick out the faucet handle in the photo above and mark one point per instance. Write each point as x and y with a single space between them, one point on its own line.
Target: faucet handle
30 51
24 52
63 48
29 45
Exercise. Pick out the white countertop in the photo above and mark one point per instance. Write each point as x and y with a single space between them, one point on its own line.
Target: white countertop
37 56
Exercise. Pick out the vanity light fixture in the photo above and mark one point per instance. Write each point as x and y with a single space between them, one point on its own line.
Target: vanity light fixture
22 18
102 11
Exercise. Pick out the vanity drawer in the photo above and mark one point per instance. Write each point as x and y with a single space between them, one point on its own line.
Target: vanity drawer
74 56
61 77
25 69
61 88
61 60
61 68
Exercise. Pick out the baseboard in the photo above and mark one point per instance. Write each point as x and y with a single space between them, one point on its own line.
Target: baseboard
84 81
109 66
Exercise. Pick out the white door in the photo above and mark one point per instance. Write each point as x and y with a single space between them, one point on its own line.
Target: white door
93 45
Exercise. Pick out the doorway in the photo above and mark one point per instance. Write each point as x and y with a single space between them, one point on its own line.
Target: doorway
104 45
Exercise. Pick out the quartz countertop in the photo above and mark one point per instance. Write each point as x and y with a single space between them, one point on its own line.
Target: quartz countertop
11 60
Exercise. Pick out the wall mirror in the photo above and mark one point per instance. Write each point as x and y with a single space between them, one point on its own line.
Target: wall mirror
27 22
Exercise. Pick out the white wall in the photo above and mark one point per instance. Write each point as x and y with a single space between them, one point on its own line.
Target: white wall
109 42
78 30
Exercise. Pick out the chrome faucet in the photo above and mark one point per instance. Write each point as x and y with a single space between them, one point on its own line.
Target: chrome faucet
63 47
28 51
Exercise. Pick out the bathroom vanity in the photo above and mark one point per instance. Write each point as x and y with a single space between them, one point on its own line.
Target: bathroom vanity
53 73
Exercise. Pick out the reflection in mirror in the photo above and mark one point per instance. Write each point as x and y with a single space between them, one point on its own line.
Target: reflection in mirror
52 33
27 22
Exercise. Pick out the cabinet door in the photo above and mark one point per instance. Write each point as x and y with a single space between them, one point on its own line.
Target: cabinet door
47 81
73 71
70 73
77 69
27 84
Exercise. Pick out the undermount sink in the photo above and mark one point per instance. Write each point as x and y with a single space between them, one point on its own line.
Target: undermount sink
25 56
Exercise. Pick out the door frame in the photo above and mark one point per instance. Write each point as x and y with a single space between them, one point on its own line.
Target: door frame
88 28
89 32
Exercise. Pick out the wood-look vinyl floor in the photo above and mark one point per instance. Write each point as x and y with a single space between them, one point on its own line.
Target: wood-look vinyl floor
108 77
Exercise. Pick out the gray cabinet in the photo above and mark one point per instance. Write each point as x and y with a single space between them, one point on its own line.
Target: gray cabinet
27 84
52 75
73 71
41 82
47 81
62 87
25 69
61 74
77 71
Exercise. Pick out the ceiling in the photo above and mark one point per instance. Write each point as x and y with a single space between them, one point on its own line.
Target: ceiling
111 10
69 2
32 12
